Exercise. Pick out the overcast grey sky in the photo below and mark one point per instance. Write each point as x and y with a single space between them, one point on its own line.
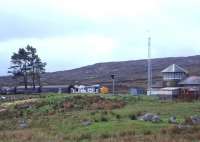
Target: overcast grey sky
74 33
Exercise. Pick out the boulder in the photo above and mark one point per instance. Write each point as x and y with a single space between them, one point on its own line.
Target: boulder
172 120
23 124
181 126
156 119
86 122
195 120
146 117
150 117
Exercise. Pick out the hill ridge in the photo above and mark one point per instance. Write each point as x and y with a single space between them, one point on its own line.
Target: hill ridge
128 73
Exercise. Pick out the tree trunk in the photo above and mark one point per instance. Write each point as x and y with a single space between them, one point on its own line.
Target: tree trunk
39 80
25 77
33 78
33 83
25 81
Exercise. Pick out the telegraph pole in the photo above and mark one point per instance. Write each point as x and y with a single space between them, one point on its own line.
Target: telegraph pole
113 83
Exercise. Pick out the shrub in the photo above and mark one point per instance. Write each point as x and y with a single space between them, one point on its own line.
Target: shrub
45 109
85 136
133 117
118 116
148 132
105 113
104 119
112 113
164 131
188 120
93 113
29 112
105 136
127 133
140 113
183 130
8 114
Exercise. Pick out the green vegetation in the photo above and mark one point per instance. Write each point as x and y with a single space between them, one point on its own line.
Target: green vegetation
26 65
86 118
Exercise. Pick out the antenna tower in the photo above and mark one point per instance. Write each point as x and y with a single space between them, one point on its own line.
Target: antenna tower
149 66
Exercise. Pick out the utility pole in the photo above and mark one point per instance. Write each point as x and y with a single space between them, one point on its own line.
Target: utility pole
113 83
149 66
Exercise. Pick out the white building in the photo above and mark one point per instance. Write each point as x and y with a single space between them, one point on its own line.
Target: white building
172 75
82 89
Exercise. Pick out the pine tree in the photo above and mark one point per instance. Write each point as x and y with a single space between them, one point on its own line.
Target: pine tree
40 69
32 61
20 66
26 63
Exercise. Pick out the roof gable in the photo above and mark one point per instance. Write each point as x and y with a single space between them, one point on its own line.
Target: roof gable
174 68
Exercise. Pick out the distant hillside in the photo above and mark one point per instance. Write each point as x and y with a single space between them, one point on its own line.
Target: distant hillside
129 73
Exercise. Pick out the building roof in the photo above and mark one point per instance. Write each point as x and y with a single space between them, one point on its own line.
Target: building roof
174 68
193 80
45 86
170 88
91 86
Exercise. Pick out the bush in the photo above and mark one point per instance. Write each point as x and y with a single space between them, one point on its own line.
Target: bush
104 119
105 113
85 136
93 113
28 112
188 121
118 116
133 117
112 113
105 136
45 109
148 132
127 133
140 113
164 131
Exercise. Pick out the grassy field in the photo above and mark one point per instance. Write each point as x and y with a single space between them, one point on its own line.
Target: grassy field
84 118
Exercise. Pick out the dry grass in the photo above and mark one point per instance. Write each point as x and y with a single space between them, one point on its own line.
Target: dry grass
28 135
142 138
18 135
111 122
8 104
171 134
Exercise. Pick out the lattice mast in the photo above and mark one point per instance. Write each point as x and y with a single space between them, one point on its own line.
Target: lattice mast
149 66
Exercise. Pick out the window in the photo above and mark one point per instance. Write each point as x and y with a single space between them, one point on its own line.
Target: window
90 90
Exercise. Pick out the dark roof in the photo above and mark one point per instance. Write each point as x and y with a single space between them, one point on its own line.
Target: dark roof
55 86
47 86
174 68
193 80
138 88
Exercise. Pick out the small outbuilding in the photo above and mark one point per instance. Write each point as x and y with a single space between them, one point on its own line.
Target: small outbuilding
192 81
169 93
82 89
137 91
